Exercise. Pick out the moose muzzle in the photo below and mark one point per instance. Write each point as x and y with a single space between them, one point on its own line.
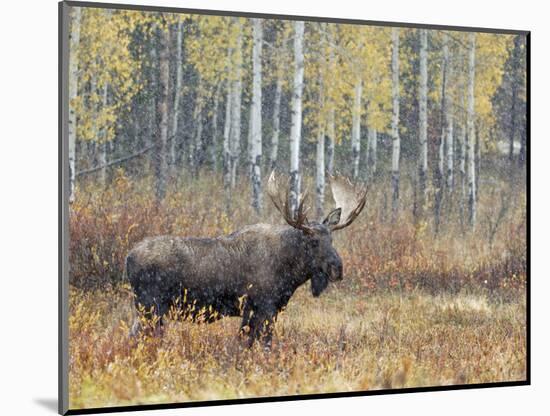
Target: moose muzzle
335 270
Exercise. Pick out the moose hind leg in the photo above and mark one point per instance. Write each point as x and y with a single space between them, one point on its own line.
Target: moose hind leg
149 319
136 328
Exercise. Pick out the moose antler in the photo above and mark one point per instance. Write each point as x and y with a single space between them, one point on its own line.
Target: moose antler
349 198
297 220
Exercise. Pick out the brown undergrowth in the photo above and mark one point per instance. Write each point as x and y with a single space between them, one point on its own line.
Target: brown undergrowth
414 309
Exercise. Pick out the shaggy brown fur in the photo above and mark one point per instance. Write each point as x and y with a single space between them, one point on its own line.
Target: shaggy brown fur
251 273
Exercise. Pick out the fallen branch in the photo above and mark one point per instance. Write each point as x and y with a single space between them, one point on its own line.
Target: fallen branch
114 162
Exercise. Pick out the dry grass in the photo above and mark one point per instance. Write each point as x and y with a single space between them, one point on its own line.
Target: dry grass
344 341
414 309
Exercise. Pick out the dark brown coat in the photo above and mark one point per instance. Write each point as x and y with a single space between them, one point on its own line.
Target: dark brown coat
251 273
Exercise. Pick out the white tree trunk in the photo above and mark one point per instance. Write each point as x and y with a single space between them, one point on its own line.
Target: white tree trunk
177 95
448 136
462 156
296 110
320 173
449 124
214 141
249 155
331 120
356 128
372 137
441 154
471 131
396 145
152 113
103 146
423 119
461 137
256 119
450 155
197 155
73 93
162 110
331 141
227 129
235 138
276 124
446 139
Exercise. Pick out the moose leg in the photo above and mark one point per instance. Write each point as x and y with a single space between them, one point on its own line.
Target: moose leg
245 324
136 328
148 319
261 327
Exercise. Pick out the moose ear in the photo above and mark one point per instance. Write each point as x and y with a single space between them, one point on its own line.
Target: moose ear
333 217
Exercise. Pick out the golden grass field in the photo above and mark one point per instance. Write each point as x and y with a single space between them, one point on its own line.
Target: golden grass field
414 309
344 341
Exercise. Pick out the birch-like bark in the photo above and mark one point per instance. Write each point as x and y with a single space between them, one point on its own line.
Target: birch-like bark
331 129
73 93
177 95
462 168
296 117
440 171
396 145
153 101
450 155
512 123
198 144
320 173
256 116
102 161
516 70
320 167
471 131
235 130
477 163
276 123
449 124
103 145
371 152
449 109
331 141
356 128
249 155
160 156
227 127
214 141
423 120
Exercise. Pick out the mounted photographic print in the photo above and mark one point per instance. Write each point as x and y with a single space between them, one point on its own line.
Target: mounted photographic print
265 208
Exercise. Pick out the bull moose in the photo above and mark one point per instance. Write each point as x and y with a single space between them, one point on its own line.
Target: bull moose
251 273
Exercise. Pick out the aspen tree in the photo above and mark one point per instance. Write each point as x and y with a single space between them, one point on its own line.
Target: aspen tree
423 120
296 114
471 130
396 144
256 116
73 92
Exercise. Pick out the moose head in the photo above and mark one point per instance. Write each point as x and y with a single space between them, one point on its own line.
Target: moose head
325 262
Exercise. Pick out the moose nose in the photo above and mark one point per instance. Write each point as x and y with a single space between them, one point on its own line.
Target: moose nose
336 271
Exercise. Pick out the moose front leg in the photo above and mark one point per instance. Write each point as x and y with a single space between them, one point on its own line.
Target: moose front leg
261 327
245 330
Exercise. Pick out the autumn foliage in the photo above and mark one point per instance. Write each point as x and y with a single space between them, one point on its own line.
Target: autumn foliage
105 224
414 309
